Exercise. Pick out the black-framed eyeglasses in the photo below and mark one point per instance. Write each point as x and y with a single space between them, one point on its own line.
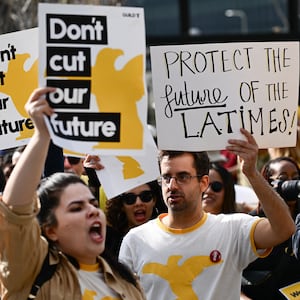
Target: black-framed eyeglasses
130 198
216 186
179 179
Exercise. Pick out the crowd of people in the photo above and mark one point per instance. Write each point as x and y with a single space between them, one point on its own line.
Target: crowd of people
182 236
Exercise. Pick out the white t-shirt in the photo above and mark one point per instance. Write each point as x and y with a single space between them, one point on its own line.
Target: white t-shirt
93 288
202 262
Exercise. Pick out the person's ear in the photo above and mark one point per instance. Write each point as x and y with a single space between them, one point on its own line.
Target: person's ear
204 181
50 233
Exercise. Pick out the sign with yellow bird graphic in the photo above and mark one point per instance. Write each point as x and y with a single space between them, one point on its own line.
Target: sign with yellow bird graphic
95 57
18 78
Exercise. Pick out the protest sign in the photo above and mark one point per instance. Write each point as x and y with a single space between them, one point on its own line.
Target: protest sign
122 173
95 57
205 93
18 78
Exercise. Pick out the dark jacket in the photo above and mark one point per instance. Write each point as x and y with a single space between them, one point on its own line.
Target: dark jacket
264 278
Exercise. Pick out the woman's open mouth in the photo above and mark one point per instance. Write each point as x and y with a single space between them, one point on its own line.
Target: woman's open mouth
96 232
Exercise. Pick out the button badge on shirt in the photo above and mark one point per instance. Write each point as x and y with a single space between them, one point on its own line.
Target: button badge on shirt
215 256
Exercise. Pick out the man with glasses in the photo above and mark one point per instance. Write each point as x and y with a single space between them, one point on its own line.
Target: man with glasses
189 254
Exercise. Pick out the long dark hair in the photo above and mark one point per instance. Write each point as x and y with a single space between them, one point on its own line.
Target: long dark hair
229 204
116 216
49 193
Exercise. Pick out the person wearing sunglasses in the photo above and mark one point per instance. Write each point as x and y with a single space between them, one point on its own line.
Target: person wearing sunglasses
190 254
219 197
131 209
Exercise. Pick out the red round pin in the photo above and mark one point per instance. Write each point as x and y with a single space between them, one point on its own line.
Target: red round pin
215 256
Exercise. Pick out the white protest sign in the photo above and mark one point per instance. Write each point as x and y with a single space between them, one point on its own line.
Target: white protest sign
122 173
205 93
95 57
18 78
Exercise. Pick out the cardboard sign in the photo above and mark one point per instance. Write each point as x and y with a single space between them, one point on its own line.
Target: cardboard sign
18 78
205 93
95 57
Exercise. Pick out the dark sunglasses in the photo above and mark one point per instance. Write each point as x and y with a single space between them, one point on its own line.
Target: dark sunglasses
130 198
216 186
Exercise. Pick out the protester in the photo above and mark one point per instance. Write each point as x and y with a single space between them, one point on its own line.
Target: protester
131 209
219 197
189 254
68 245
267 278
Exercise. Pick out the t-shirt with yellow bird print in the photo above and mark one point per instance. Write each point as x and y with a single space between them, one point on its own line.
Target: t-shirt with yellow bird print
201 262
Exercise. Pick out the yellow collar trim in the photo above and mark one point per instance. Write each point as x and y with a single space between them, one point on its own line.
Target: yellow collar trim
89 268
180 231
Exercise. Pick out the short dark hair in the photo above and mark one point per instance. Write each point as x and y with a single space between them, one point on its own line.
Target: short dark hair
201 160
267 170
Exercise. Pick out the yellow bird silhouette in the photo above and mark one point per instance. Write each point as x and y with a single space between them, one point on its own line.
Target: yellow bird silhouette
131 167
180 277
119 91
